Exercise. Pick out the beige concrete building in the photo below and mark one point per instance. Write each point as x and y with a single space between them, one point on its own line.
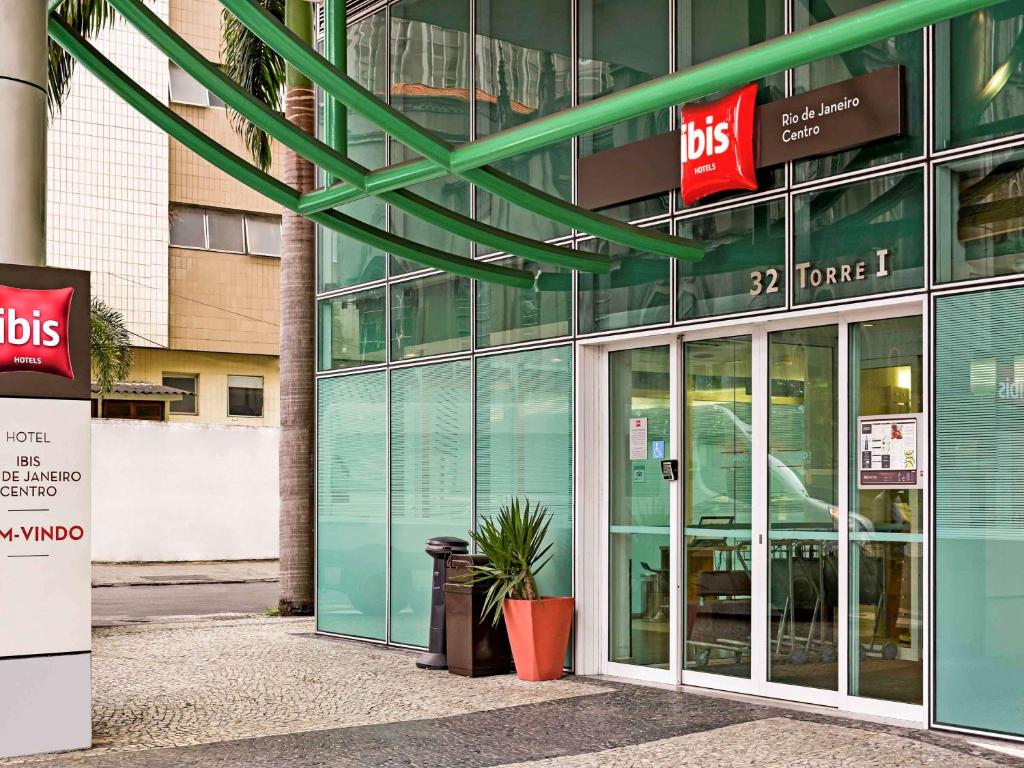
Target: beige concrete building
188 255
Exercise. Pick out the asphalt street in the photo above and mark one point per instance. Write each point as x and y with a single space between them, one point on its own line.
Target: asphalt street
125 605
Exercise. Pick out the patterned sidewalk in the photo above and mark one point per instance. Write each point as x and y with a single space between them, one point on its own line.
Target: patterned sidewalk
266 692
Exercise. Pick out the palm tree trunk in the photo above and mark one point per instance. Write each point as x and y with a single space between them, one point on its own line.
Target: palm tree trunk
297 354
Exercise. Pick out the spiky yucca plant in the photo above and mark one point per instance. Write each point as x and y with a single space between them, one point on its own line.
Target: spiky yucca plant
513 541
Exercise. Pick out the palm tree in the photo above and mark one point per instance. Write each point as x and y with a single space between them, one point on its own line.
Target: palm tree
110 349
264 74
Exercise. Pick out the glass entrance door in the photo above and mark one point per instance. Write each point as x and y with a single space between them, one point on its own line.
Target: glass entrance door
797 581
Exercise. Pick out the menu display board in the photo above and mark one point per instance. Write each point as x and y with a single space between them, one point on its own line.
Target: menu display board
889 451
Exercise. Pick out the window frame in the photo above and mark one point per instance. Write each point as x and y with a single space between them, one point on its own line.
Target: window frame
195 392
262 390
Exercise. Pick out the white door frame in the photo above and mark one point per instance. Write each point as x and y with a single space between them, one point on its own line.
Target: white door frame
592 505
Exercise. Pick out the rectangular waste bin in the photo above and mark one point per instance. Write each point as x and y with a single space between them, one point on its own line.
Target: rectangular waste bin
476 648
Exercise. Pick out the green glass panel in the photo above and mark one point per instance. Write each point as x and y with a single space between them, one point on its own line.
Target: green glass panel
859 239
636 292
979 511
622 44
886 525
524 71
430 483
979 94
524 445
430 84
343 261
352 330
639 579
979 217
702 36
716 487
907 50
744 266
803 487
352 505
430 316
506 315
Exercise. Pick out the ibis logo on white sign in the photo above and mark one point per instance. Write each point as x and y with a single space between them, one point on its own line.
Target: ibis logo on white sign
44 514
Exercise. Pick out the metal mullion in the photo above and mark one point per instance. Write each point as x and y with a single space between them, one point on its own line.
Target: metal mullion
388 560
769 195
350 289
888 169
420 362
337 373
965 286
843 497
525 346
991 146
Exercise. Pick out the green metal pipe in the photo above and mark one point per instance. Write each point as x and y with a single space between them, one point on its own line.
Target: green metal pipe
336 51
184 132
214 79
828 38
397 125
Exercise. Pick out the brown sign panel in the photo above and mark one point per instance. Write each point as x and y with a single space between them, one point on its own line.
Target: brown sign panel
849 114
26 383
830 119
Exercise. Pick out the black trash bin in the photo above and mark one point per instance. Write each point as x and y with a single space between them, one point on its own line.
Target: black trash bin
440 548
476 647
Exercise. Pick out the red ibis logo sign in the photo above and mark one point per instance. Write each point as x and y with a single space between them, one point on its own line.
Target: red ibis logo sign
717 145
34 330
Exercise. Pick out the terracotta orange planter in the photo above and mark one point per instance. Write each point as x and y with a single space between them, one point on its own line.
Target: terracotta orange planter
538 631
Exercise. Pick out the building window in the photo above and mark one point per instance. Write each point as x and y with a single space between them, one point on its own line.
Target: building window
213 229
145 410
185 89
245 395
189 404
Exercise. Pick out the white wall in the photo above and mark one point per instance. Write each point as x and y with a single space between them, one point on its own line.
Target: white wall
173 491
107 185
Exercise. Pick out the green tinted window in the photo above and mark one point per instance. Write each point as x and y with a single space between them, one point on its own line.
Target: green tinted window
430 85
702 36
744 266
430 316
352 505
979 510
352 330
636 291
907 50
343 261
430 483
622 44
978 217
859 239
979 93
524 445
507 315
524 71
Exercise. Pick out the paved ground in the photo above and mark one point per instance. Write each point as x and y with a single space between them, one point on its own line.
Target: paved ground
168 694
218 572
123 605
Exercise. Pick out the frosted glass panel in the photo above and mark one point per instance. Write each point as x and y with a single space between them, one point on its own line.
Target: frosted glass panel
352 505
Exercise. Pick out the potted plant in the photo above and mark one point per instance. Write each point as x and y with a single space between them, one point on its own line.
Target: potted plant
538 627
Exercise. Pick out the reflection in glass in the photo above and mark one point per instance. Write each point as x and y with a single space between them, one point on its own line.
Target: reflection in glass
702 36
907 50
524 71
636 292
352 330
837 229
886 539
622 44
717 498
431 456
430 316
803 540
979 216
639 574
979 93
430 85
508 315
344 261
738 242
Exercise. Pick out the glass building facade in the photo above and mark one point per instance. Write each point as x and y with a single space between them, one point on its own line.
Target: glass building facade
440 397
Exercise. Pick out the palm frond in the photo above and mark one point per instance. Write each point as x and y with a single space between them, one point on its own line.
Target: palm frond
88 18
258 70
110 350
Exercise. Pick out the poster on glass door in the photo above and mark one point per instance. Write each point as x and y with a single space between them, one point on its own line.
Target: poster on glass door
889 451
